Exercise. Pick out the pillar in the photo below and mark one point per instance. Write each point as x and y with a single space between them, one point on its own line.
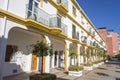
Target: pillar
78 55
66 55
46 59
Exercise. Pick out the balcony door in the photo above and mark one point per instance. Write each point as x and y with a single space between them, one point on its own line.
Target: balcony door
33 8
59 21
73 31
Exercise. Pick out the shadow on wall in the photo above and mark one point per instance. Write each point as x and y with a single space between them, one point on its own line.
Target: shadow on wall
8 68
11 69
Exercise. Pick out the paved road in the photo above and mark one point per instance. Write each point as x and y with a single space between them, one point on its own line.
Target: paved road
108 71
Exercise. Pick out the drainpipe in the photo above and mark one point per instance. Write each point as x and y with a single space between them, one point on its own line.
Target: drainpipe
3 40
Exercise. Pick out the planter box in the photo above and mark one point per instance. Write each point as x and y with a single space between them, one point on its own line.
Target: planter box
101 63
75 73
106 61
95 65
88 68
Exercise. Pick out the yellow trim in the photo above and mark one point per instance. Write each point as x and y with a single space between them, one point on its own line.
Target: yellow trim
62 8
59 6
44 57
65 55
82 43
82 22
37 25
32 23
44 64
81 11
41 3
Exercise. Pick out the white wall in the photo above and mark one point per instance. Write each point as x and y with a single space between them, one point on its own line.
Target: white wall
47 7
21 39
18 7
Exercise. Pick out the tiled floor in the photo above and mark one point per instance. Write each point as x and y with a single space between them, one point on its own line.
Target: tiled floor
109 71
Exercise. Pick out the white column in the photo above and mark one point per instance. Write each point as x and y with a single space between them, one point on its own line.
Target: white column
47 64
53 60
66 55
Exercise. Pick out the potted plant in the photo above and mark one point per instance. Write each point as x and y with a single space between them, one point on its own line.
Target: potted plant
41 49
96 64
75 70
88 66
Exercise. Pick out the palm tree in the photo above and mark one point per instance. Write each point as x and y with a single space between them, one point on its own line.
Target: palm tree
41 49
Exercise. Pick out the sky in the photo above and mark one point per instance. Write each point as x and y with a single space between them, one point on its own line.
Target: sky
103 13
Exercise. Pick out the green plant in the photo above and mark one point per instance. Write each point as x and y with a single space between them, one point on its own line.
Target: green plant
72 51
96 62
44 76
41 49
88 64
75 68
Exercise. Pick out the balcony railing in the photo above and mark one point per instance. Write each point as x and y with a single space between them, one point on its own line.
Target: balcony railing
64 28
84 39
64 3
46 19
75 35
38 15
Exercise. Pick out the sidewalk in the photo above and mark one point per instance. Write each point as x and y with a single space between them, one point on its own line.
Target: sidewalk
108 71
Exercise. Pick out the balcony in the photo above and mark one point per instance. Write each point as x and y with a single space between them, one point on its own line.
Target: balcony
75 35
36 15
89 31
43 17
63 6
84 39
91 43
94 43
101 42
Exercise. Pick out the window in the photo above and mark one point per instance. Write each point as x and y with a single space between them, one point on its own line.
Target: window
58 1
90 29
77 35
73 31
59 21
33 8
10 51
74 11
93 33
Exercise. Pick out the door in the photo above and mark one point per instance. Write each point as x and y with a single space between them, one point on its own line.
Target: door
34 62
55 59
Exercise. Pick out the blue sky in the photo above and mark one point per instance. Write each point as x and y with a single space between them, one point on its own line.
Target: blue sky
103 13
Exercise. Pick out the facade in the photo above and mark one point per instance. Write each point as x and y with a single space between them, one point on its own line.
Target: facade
111 39
61 23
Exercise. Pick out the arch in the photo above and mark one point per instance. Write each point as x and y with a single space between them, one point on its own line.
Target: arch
18 42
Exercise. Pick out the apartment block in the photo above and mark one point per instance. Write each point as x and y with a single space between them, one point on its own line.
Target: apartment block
111 39
61 23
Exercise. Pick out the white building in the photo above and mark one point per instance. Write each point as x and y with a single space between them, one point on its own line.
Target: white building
60 22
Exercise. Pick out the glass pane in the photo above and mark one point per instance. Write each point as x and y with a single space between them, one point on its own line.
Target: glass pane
59 21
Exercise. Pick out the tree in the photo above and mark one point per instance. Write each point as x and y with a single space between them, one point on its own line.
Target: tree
72 52
41 49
